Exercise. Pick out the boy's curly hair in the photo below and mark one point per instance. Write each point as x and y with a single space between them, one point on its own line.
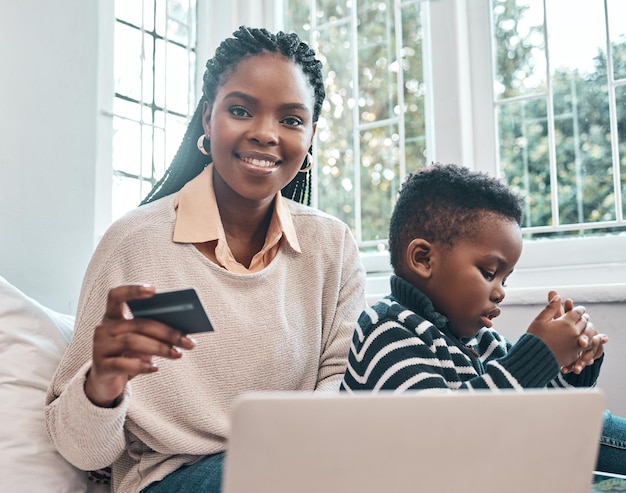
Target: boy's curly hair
443 202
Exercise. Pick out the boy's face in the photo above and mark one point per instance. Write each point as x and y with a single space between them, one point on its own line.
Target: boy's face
467 281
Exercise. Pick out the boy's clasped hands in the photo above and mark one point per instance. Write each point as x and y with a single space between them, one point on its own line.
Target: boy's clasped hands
567 330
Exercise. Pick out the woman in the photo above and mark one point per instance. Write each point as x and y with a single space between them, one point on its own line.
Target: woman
281 282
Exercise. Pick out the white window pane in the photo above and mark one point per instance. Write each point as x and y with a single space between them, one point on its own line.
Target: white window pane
380 180
159 119
148 14
159 161
178 28
370 123
147 151
191 94
519 47
576 34
159 73
378 76
558 149
128 11
583 151
414 87
336 128
335 185
524 153
128 61
175 128
179 79
146 115
332 10
127 109
576 44
147 68
297 16
126 146
142 73
160 17
617 29
126 195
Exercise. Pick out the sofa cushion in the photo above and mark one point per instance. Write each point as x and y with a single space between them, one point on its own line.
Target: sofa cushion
32 341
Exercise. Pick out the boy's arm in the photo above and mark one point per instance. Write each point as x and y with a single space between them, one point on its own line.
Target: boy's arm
387 355
585 378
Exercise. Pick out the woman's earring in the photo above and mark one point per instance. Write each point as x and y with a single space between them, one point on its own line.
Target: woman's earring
308 163
201 147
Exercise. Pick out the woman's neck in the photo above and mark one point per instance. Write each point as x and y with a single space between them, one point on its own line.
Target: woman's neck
245 222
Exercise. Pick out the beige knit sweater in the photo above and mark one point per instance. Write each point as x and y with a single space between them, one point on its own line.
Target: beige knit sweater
287 327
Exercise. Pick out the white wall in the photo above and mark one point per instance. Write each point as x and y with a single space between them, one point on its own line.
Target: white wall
48 110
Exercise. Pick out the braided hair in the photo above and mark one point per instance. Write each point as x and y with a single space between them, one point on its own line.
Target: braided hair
442 203
189 161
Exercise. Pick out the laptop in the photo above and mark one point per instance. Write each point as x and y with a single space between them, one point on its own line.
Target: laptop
606 481
479 441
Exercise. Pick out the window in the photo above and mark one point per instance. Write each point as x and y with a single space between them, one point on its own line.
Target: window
483 83
372 129
560 99
154 77
558 96
491 84
555 81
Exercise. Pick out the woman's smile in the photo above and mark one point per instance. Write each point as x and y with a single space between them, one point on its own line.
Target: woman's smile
253 161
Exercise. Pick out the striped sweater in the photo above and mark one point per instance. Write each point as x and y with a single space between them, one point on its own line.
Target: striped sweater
402 343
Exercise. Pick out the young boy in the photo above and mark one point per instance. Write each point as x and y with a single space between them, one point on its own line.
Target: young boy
454 239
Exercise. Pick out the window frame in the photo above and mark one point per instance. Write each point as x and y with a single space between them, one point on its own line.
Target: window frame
592 269
583 268
458 127
105 173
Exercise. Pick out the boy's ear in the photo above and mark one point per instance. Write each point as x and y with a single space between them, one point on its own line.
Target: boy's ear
418 255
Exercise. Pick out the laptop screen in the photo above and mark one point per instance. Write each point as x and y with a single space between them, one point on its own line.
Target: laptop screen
480 441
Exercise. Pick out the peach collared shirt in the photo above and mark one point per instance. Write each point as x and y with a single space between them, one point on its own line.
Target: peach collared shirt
198 221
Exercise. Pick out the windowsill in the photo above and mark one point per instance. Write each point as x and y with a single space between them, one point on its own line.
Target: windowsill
588 270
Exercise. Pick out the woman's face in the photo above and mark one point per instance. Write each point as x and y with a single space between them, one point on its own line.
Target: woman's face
260 127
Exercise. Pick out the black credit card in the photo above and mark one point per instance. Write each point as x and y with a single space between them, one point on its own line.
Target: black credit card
181 310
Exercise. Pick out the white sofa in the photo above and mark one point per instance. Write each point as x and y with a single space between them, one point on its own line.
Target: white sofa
32 341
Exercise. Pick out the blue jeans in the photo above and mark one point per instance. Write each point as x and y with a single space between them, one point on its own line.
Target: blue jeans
205 476
612 455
